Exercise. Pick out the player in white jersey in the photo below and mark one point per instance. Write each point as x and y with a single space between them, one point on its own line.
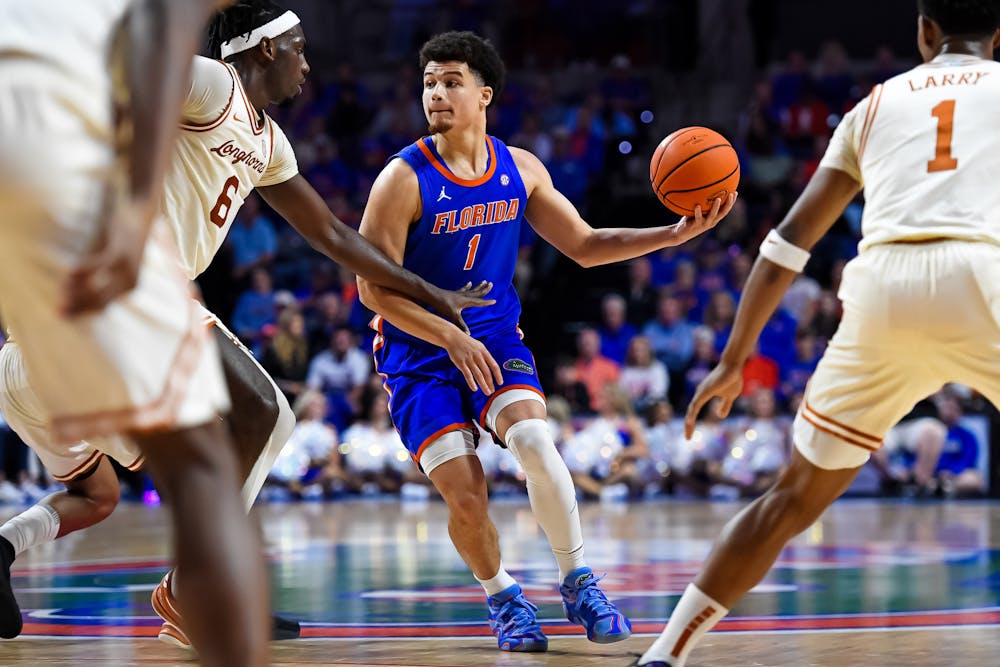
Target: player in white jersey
226 148
103 357
921 301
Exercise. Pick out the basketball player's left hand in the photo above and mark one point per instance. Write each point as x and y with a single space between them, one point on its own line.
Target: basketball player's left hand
111 270
451 304
691 226
724 382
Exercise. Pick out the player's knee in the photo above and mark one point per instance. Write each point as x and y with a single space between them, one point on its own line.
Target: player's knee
468 505
531 442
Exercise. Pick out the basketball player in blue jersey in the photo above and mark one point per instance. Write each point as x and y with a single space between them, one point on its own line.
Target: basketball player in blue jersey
450 210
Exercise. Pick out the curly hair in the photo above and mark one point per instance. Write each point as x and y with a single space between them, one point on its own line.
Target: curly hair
972 18
467 47
241 19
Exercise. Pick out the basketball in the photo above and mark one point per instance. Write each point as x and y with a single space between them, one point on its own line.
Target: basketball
692 166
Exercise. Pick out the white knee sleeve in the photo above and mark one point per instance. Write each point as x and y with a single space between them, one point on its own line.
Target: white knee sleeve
279 436
550 490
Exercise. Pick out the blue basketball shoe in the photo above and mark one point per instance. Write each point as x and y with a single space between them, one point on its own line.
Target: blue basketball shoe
513 622
587 605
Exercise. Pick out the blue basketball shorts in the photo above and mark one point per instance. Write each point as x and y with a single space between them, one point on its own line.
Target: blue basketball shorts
428 395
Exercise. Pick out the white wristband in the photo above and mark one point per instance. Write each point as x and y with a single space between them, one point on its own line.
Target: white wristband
783 253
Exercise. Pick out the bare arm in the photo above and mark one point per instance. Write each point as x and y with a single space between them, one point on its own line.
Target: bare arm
393 204
557 221
297 202
161 38
817 208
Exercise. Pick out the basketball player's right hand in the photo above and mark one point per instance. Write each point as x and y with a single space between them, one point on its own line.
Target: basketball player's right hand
726 383
111 270
451 304
474 361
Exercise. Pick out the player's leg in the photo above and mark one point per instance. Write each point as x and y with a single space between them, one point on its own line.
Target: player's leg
217 550
87 500
454 469
426 405
260 423
522 426
261 419
876 368
516 413
462 485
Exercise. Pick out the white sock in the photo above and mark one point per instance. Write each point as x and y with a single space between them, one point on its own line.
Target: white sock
694 615
550 490
36 525
262 468
500 582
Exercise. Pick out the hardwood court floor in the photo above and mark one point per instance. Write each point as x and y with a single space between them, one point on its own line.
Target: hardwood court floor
378 583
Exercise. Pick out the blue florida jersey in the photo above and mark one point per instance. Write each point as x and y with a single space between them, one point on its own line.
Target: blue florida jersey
468 231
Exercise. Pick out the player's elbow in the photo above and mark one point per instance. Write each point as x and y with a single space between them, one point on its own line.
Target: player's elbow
366 293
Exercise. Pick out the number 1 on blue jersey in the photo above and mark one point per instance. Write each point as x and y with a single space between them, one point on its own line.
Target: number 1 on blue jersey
473 247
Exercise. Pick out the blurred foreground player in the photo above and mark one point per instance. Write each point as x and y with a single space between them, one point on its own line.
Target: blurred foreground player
105 358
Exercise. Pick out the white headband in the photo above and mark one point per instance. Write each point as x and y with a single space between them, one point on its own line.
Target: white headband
278 26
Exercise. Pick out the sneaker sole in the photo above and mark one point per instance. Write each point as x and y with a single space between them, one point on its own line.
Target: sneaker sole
166 608
527 647
170 634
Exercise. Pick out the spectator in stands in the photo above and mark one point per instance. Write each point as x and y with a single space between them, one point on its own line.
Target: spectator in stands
615 331
569 175
884 67
705 357
340 372
533 138
640 299
686 467
592 368
603 456
644 377
672 337
374 458
326 316
790 83
567 385
931 456
252 238
759 449
835 85
957 468
759 372
719 316
255 309
796 374
286 359
685 288
309 465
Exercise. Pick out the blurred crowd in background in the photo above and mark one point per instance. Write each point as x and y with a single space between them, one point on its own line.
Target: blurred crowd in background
620 348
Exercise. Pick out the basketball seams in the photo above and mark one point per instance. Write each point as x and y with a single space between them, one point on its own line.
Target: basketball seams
707 185
688 159
663 149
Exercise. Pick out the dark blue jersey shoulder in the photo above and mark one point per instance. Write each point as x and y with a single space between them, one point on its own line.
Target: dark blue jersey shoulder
468 231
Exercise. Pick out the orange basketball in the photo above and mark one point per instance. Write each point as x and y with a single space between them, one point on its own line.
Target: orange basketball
692 166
